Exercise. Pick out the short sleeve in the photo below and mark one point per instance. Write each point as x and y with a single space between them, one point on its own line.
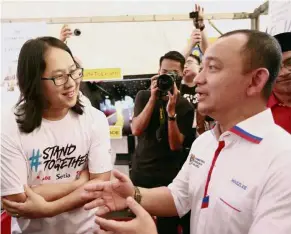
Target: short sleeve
141 100
273 210
99 158
180 190
14 167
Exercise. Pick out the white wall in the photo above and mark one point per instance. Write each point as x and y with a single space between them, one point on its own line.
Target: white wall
135 47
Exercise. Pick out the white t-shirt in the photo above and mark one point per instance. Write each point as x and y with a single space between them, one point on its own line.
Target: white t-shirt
248 191
84 100
55 153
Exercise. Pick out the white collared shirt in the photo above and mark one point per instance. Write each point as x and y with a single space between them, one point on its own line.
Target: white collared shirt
249 189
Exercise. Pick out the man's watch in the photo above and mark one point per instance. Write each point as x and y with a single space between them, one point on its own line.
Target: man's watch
172 118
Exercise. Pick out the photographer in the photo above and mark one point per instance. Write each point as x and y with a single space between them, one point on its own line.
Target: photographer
198 35
161 121
191 70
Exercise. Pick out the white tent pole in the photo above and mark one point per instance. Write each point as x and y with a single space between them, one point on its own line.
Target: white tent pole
255 16
128 18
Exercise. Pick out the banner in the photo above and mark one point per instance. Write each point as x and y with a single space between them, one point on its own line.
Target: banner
280 16
115 132
13 36
100 74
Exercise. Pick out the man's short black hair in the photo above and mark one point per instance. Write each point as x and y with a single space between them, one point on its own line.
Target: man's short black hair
261 50
174 55
197 58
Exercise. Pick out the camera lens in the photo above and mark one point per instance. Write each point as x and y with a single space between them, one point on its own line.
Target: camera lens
77 32
165 82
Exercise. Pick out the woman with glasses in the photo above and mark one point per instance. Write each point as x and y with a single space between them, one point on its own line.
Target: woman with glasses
52 145
280 101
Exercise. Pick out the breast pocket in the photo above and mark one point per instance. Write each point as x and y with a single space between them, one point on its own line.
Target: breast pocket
234 212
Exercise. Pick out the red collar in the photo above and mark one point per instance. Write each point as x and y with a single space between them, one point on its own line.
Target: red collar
273 101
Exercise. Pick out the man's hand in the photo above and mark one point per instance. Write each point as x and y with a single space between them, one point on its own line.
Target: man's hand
195 37
142 224
110 195
199 24
171 106
65 33
154 87
34 207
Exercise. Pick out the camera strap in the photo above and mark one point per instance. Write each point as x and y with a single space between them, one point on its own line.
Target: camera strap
162 113
161 133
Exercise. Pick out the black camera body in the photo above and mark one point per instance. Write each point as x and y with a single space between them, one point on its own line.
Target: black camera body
77 32
166 82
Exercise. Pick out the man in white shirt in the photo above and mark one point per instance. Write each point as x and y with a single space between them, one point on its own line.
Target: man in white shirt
52 143
237 176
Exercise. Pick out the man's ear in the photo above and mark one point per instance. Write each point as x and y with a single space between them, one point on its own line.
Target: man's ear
258 81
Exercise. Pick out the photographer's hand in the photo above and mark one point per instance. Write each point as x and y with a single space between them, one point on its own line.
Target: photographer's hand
143 114
175 137
196 37
154 87
65 33
199 24
171 106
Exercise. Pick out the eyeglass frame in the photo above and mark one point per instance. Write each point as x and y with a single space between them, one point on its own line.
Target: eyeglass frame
68 75
283 65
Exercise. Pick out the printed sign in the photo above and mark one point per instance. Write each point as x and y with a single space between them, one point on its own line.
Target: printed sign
13 36
115 132
102 74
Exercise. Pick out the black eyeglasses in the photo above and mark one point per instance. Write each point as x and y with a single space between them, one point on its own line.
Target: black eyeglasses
287 64
63 79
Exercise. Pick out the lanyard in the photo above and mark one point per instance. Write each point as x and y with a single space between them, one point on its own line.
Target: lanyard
205 201
162 114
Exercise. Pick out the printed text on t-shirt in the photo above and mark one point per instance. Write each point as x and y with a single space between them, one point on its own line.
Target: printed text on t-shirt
57 157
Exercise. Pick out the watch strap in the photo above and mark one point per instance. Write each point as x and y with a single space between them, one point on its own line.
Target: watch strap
172 118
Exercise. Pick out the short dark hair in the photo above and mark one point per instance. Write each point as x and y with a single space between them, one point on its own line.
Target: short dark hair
261 50
197 58
174 55
30 68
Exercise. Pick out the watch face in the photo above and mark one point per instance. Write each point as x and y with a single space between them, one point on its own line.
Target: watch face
172 117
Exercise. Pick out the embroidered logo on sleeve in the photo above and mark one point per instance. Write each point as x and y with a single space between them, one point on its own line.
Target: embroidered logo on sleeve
197 162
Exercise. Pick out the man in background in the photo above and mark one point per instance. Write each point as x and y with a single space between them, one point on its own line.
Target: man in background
191 69
198 39
161 122
280 101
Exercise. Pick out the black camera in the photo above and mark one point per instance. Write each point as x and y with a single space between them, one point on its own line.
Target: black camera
77 32
166 82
